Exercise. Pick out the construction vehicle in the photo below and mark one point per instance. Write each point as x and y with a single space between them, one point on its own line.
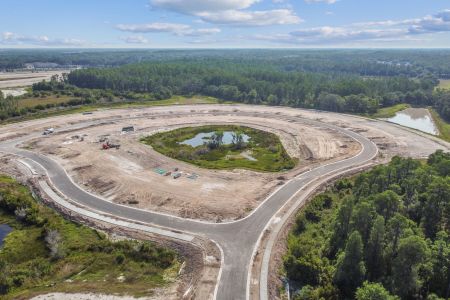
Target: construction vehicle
127 129
48 131
108 145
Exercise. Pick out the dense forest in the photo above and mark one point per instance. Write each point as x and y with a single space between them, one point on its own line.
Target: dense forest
411 63
265 84
239 83
382 235
351 81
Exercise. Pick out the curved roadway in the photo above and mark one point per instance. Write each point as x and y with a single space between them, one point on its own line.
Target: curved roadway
237 239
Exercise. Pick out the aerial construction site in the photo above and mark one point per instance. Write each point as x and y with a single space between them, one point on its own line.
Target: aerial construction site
131 173
102 153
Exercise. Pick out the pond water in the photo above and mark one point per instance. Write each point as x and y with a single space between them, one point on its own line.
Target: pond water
204 137
417 118
4 230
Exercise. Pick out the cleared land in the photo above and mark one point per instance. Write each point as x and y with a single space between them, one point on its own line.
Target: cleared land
14 92
132 174
392 140
129 175
21 79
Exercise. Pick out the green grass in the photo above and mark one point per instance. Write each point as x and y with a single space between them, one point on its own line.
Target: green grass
87 260
32 102
389 112
175 100
442 125
265 147
444 84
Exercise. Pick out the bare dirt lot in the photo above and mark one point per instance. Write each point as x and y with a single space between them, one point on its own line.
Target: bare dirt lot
23 78
128 175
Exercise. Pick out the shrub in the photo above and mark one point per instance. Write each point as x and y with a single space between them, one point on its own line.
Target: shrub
53 242
120 258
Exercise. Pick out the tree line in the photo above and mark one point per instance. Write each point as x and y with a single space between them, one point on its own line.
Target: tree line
264 84
9 106
410 63
241 78
249 84
383 235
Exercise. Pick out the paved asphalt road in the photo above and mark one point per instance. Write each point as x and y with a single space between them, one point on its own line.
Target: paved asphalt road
237 239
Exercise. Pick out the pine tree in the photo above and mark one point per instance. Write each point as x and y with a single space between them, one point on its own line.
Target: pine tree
350 270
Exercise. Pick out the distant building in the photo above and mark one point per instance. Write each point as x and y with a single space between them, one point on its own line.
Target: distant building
41 66
45 65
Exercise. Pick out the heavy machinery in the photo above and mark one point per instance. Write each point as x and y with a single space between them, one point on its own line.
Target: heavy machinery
108 145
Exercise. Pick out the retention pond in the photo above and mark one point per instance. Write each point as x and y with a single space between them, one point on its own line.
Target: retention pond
417 118
204 137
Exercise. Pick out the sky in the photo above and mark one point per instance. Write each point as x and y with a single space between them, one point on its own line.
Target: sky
225 24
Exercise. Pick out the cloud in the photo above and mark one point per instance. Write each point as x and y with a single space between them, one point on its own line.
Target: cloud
153 27
135 39
439 22
251 18
340 34
195 6
201 32
10 38
331 36
229 12
388 30
321 1
174 28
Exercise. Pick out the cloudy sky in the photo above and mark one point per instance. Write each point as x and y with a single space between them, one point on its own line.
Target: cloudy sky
225 23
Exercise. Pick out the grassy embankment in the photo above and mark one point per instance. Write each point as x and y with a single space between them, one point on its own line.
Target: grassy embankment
266 148
389 112
45 253
31 102
442 125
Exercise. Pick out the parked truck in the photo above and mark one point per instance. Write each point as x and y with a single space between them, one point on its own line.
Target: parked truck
48 131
